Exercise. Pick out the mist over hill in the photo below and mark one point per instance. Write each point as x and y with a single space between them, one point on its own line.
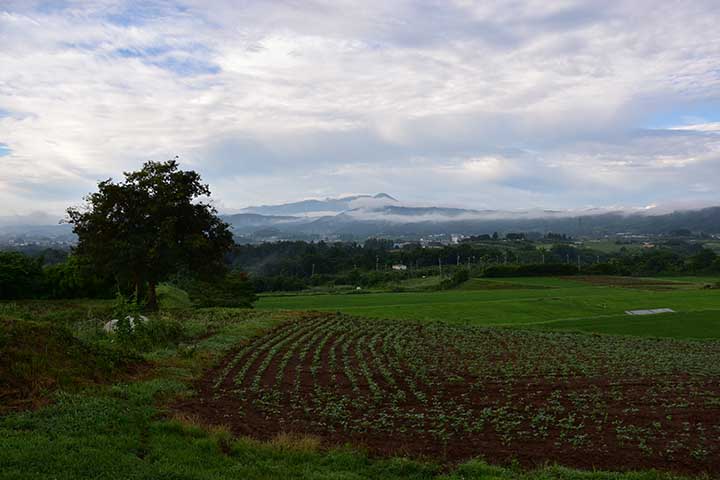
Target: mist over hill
365 216
359 217
314 208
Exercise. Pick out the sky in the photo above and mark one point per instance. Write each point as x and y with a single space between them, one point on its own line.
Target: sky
507 105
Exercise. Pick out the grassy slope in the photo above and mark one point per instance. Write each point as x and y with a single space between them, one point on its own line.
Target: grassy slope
122 431
475 304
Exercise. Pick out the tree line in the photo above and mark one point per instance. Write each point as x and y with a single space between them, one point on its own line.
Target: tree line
158 225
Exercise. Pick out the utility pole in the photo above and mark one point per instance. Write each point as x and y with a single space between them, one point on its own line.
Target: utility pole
505 257
543 258
598 259
567 258
377 263
578 263
440 265
313 270
458 260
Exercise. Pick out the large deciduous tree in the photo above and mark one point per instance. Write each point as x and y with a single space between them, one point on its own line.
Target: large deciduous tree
151 225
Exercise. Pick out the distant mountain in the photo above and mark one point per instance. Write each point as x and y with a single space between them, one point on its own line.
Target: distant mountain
50 235
319 207
35 218
362 216
396 220
251 222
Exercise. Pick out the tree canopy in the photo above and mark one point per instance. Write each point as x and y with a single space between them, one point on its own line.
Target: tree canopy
151 225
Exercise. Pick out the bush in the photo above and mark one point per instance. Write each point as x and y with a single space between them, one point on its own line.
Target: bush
142 336
605 269
170 296
234 290
75 279
278 283
20 276
459 276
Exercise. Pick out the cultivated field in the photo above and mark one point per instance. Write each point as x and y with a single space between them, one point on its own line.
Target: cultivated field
420 385
595 304
452 393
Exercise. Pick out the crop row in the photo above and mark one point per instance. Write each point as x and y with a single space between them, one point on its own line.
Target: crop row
453 385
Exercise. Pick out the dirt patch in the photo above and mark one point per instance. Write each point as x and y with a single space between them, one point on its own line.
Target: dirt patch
630 282
37 358
476 284
454 393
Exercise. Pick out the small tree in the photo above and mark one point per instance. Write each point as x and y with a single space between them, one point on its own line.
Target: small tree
150 226
20 276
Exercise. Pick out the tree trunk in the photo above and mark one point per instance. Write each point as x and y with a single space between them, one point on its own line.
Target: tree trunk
152 304
138 290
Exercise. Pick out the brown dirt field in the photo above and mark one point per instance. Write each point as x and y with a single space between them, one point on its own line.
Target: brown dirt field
629 282
421 396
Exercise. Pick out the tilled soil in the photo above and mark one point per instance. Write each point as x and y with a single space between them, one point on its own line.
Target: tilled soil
454 393
629 282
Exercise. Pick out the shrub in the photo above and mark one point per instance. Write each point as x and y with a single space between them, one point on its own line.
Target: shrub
170 296
459 276
234 290
75 279
20 276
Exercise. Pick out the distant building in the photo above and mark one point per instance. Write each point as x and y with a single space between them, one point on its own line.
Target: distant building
399 266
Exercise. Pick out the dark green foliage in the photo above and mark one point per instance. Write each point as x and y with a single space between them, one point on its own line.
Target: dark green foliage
459 276
289 266
652 262
606 269
76 278
23 276
142 336
138 333
278 283
538 270
233 290
150 226
349 263
20 276
704 261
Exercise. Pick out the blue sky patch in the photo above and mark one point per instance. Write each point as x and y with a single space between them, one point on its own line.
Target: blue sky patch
187 66
687 115
179 61
4 150
142 52
140 12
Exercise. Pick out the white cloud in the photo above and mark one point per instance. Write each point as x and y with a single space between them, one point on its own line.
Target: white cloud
489 104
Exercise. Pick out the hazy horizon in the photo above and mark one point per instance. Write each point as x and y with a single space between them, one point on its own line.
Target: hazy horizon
511 106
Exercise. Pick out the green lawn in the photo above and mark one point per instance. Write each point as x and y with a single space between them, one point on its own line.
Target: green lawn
525 304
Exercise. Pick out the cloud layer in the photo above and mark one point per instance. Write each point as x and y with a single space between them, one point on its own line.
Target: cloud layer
485 105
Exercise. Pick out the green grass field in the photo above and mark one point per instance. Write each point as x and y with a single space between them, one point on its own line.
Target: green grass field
556 303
